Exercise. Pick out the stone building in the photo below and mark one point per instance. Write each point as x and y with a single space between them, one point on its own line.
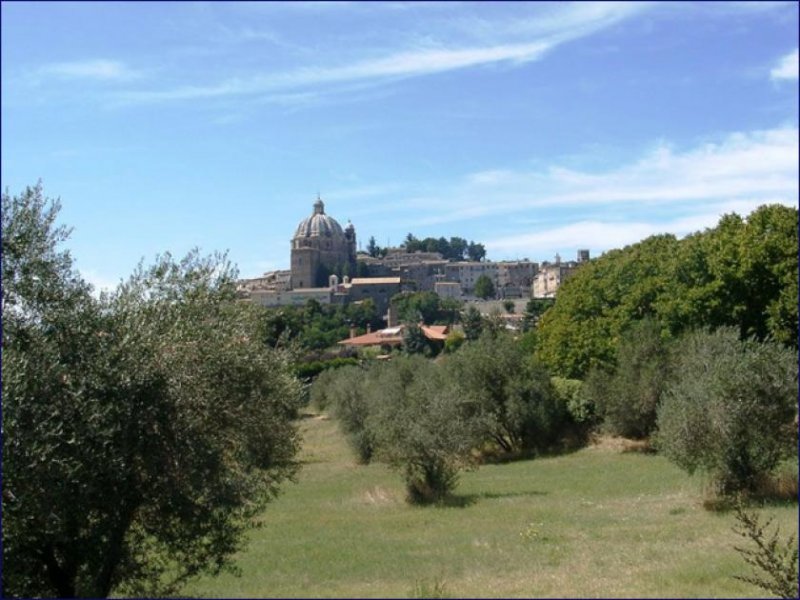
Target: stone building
552 275
321 247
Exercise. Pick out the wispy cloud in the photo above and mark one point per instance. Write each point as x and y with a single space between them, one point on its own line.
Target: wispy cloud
95 69
604 234
741 166
513 42
787 67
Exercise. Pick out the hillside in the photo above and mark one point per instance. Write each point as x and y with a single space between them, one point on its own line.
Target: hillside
594 523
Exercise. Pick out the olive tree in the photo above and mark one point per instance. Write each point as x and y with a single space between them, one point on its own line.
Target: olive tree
142 430
518 406
729 412
634 388
422 427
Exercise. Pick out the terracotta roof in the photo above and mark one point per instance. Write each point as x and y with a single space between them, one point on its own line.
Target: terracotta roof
374 339
435 332
393 336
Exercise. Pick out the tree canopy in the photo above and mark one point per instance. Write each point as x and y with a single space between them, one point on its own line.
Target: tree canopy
484 287
455 248
742 273
428 307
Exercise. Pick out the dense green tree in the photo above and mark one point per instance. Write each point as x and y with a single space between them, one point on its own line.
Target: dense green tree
141 431
514 395
372 247
455 248
730 411
427 307
534 309
742 273
476 252
458 248
473 323
314 326
422 427
630 399
484 287
599 301
415 342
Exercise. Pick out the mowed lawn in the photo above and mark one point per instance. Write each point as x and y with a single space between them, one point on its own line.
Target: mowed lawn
593 523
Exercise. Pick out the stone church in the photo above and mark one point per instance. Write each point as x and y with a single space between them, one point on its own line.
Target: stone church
320 248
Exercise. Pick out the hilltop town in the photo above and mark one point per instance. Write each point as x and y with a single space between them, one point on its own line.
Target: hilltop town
326 267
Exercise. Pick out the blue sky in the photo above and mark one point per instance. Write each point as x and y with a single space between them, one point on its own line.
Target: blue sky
534 128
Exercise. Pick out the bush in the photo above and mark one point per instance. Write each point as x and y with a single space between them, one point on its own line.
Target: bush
422 427
776 560
570 393
518 406
308 370
346 392
629 400
730 412
454 341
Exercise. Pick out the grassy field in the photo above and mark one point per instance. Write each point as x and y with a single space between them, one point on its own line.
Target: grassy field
594 523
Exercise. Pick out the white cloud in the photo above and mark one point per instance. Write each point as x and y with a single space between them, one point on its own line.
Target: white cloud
513 42
602 235
739 167
609 209
787 67
97 69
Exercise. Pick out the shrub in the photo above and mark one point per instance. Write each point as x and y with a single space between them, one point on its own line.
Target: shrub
629 398
776 560
415 342
454 341
346 393
422 427
730 411
513 394
570 392
308 370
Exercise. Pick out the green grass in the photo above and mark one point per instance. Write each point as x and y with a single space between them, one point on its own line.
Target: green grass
594 523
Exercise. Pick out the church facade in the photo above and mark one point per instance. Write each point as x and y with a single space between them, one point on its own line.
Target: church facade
320 248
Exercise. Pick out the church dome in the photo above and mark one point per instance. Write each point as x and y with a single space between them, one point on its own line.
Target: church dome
319 224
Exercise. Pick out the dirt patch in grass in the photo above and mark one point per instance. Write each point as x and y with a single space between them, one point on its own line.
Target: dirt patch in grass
612 443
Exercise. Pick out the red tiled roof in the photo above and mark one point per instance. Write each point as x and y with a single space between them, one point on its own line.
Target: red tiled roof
373 339
435 332
393 336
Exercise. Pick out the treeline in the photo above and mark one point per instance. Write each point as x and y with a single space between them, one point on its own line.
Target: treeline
315 326
455 248
741 273
691 343
430 419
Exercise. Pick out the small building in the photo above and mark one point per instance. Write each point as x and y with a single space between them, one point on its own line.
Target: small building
392 337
